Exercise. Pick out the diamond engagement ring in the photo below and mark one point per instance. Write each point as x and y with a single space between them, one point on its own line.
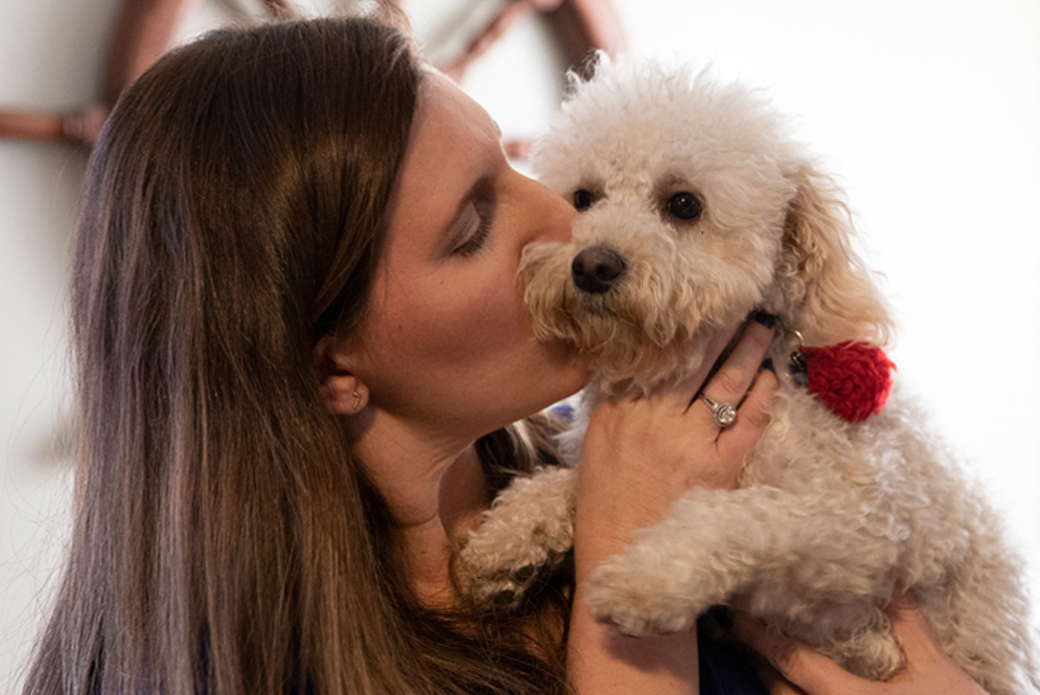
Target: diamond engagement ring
725 413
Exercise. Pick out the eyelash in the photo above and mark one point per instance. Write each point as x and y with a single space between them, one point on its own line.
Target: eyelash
476 241
485 212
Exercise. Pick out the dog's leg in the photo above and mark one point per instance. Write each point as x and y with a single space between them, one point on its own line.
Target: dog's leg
784 552
711 545
530 525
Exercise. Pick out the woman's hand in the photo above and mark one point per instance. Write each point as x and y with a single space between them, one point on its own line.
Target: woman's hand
797 668
639 455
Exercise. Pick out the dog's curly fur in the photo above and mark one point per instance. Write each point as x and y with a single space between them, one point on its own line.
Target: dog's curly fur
831 518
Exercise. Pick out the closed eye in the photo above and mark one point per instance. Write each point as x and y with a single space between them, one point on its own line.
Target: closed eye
477 223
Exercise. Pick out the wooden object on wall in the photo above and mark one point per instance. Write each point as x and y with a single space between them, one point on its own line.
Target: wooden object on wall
146 29
582 26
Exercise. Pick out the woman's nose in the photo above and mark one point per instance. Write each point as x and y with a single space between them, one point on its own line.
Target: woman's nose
559 217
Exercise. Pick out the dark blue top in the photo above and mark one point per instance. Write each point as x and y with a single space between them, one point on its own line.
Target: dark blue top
725 669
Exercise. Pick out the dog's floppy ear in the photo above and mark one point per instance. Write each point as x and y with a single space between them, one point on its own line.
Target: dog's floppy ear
828 293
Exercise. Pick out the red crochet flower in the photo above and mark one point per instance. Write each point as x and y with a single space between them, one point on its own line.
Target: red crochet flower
852 379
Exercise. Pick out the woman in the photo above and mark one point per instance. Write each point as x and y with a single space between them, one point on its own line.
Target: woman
303 370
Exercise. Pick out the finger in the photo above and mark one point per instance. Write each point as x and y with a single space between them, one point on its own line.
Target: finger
731 382
801 665
683 391
775 683
753 416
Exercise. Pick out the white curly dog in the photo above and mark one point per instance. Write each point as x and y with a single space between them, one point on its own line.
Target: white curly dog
697 209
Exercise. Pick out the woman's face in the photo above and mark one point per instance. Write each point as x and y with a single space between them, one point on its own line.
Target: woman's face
447 342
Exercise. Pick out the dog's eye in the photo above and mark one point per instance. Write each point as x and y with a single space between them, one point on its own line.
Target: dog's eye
583 199
685 206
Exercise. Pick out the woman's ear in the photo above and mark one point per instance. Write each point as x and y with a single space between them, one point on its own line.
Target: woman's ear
341 389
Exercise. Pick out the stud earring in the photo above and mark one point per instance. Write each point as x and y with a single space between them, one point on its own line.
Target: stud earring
357 400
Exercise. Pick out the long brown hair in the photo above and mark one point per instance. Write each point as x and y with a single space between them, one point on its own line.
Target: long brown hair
224 541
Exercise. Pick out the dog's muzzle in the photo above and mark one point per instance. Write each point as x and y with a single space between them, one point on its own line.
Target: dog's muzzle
596 269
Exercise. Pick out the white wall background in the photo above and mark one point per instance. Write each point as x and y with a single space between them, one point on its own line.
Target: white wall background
928 110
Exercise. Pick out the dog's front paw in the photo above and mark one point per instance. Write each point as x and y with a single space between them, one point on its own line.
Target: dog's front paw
504 588
872 654
528 530
638 599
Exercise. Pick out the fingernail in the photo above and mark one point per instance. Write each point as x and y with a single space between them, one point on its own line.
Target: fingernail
765 319
767 363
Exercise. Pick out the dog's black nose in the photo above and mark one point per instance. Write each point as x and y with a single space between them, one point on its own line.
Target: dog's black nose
596 269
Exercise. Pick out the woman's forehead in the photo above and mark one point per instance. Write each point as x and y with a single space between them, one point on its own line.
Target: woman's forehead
444 110
454 142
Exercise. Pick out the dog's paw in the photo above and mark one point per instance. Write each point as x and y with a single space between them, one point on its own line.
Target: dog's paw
664 581
528 529
856 635
638 603
874 655
484 576
505 589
